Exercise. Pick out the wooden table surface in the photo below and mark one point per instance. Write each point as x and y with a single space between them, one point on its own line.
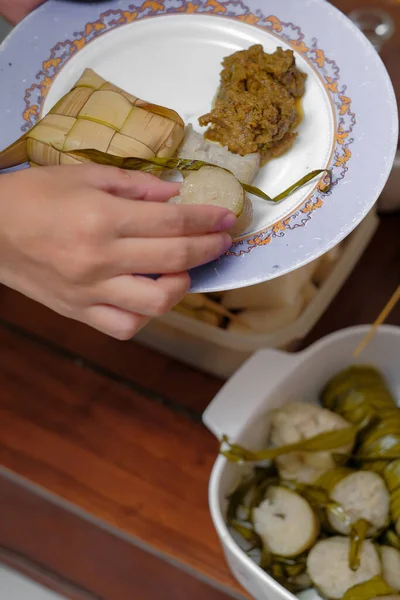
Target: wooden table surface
105 462
114 429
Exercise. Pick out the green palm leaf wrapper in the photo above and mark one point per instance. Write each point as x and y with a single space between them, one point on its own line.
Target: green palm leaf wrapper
324 441
390 538
374 588
96 113
358 534
358 394
157 165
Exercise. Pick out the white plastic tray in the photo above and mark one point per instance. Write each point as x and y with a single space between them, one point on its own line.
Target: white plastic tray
221 352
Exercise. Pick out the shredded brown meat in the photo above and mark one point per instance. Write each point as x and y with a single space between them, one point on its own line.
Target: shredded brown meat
256 106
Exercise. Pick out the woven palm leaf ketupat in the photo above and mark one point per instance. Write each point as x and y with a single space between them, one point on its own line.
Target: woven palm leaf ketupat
97 114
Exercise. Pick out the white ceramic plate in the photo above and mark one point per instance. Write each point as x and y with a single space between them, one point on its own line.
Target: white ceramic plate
170 52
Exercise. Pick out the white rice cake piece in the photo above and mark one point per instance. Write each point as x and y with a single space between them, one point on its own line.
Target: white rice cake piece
362 495
328 566
285 522
195 147
297 421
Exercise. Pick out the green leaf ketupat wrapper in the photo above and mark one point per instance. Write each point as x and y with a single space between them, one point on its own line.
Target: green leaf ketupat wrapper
325 441
96 113
374 588
392 539
357 536
155 165
359 394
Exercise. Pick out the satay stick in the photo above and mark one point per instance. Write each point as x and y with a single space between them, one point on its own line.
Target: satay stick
382 317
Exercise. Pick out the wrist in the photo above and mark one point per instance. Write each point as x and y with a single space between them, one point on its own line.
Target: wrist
6 192
12 227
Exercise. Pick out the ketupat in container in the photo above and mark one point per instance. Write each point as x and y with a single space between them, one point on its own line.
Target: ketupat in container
266 382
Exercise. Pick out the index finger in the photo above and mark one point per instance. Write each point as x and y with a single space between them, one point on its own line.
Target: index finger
150 220
133 185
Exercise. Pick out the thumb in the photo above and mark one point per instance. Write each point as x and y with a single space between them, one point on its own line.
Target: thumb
133 185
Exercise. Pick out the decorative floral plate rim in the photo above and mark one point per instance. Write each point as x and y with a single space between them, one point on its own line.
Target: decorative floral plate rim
255 13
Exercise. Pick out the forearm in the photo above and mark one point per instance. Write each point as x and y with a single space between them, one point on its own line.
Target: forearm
14 10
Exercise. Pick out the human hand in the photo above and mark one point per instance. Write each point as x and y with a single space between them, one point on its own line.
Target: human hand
14 10
72 236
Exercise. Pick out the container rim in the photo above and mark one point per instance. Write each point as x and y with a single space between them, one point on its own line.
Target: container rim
221 462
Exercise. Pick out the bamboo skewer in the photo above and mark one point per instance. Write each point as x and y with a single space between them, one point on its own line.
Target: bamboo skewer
381 318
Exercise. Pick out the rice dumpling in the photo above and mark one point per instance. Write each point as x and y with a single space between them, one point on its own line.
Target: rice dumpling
214 185
97 114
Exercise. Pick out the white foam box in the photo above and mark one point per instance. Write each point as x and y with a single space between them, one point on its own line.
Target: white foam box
221 352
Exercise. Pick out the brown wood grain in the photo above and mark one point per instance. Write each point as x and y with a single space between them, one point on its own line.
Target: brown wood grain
33 570
82 559
117 453
154 374
129 461
120 454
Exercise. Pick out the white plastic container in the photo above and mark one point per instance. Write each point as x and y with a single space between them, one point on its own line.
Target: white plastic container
267 381
222 352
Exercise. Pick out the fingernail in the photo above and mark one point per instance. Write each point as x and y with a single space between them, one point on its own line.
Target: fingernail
227 222
227 242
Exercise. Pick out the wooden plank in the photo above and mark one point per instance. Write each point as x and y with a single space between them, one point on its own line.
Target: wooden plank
83 560
41 575
168 380
133 463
